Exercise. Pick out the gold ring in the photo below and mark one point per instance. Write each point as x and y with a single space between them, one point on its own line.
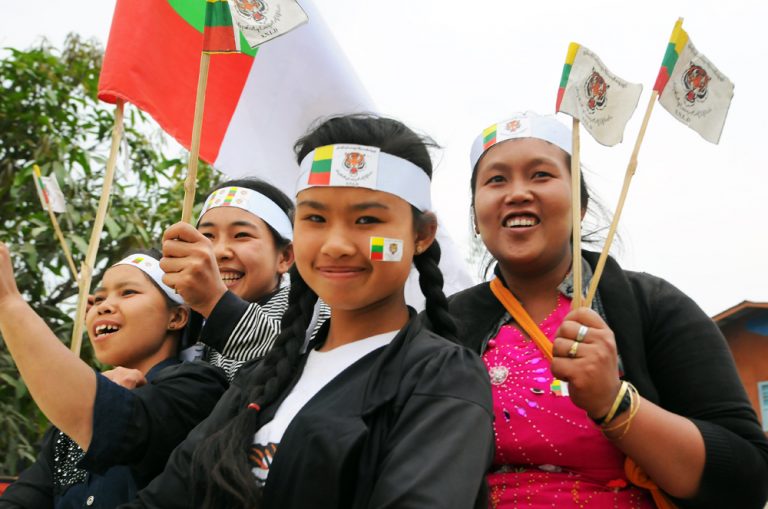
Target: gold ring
583 329
572 351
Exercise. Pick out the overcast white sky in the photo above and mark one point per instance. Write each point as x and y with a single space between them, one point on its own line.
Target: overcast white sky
696 212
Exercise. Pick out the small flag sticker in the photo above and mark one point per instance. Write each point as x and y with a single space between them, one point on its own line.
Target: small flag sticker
386 250
559 388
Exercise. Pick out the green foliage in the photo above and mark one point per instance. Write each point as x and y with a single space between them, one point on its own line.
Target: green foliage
49 115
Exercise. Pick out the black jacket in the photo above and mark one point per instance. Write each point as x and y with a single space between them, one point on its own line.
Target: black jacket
408 425
678 359
134 432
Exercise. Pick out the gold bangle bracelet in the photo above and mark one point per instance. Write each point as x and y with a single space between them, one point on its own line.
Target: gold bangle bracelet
616 403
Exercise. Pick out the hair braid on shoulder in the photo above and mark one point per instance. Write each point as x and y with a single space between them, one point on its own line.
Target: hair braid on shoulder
222 474
431 283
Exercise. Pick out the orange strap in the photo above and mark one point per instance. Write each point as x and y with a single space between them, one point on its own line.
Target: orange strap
638 477
521 316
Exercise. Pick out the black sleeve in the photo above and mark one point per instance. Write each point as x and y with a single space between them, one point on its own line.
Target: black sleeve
172 489
225 316
34 487
141 427
441 445
692 367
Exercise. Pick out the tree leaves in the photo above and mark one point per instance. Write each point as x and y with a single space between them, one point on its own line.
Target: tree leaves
50 116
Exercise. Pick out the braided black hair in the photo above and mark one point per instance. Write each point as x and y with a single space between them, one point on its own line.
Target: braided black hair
222 475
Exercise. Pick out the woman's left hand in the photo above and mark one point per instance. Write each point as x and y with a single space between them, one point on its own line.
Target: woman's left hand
590 365
8 289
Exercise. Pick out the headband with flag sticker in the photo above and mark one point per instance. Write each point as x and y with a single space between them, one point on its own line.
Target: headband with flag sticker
151 267
386 250
345 165
522 125
253 202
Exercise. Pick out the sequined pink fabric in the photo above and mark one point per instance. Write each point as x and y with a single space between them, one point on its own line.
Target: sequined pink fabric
548 452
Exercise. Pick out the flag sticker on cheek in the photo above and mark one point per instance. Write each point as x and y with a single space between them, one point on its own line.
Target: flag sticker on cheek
386 250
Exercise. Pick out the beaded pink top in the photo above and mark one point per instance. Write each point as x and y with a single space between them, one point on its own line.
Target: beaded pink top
549 453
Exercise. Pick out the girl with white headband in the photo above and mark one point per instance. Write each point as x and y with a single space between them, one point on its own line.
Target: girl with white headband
377 411
109 441
229 270
594 407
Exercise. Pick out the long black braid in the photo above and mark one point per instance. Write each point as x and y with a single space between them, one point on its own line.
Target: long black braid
222 474
431 284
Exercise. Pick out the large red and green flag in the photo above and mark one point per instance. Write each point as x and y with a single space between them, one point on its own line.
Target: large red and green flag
691 88
258 102
592 94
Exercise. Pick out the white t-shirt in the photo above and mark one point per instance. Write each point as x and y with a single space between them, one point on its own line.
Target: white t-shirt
320 369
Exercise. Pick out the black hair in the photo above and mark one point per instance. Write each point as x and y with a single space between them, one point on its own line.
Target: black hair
271 192
221 474
597 214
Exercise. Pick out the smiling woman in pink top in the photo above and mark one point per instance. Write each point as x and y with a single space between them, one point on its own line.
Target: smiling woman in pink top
632 403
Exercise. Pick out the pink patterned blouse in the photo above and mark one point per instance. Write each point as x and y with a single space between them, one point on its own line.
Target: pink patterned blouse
549 453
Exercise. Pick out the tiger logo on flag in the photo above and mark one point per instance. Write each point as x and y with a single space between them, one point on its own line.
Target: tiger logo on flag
354 162
254 9
695 81
596 89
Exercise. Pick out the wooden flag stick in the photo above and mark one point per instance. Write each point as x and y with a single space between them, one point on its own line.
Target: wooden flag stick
57 229
576 214
190 184
631 167
86 272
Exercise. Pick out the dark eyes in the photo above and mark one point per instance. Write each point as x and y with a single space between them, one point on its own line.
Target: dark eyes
496 179
243 235
98 298
208 236
541 174
368 220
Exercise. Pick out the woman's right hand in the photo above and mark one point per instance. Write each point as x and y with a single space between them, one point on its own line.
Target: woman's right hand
190 268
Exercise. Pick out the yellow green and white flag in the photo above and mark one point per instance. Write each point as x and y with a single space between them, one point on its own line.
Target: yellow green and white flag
691 88
600 100
49 192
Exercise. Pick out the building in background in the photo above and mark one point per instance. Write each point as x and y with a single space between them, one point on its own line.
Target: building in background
745 327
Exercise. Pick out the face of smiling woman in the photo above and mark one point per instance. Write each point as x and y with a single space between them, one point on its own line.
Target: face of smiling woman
130 324
333 231
248 260
523 206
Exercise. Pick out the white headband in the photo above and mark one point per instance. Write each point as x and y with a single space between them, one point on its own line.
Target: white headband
358 166
151 268
522 125
253 202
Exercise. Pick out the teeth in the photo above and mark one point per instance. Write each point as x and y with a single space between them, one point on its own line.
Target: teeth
106 329
520 221
230 276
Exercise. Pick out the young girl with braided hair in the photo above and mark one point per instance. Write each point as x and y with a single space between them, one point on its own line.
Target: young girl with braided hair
376 410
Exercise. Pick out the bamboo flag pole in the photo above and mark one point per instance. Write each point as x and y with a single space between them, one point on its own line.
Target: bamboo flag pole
190 184
631 167
56 227
576 214
86 271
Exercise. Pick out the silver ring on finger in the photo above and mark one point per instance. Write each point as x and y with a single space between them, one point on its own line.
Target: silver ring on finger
583 329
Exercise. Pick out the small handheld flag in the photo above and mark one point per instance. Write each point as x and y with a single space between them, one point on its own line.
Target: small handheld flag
260 21
691 88
49 192
589 92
